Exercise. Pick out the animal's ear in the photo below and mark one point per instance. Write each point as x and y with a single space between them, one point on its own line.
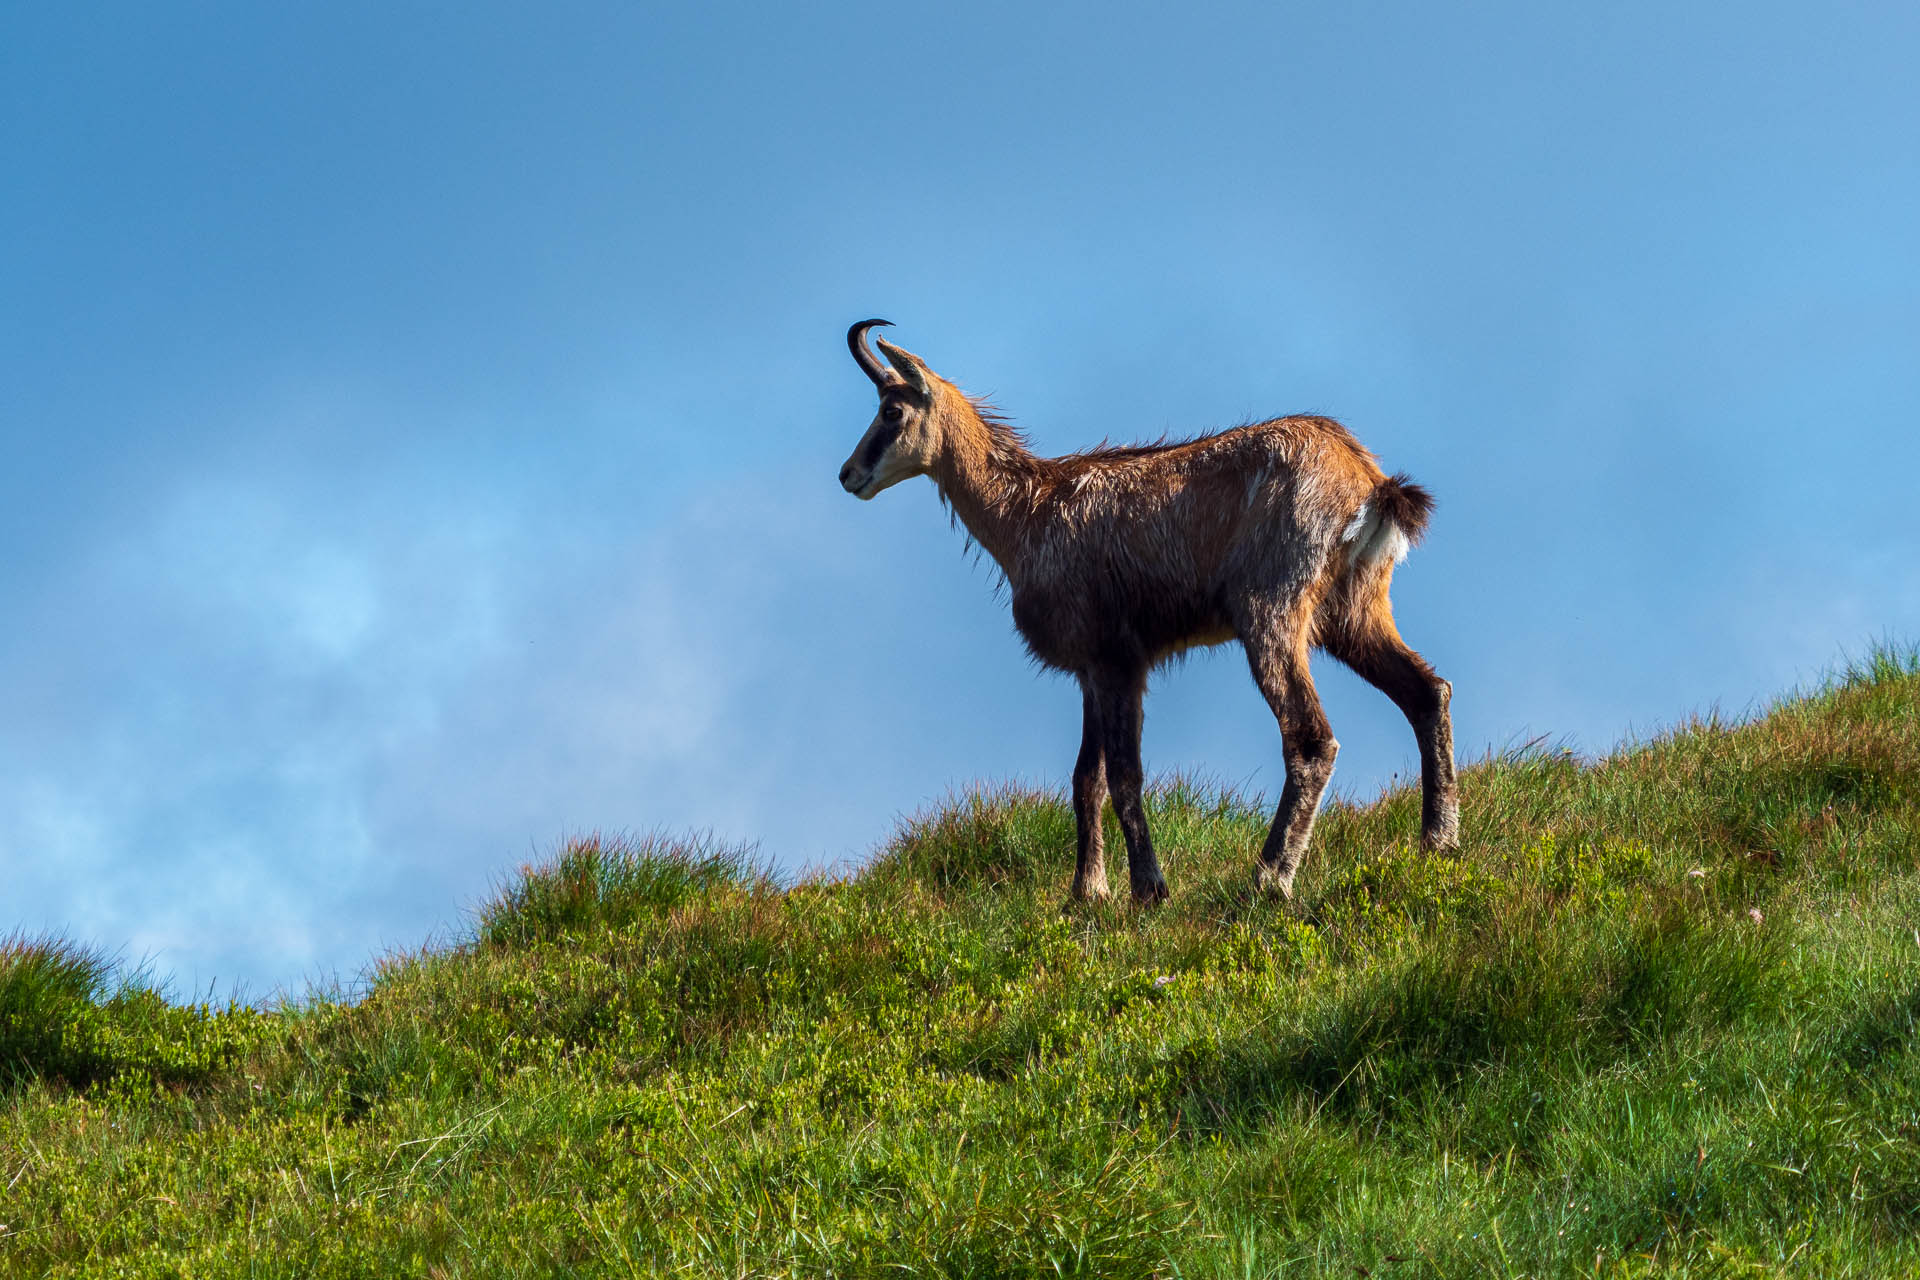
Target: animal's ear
909 366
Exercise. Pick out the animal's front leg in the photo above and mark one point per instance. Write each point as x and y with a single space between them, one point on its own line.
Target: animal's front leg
1089 800
1120 696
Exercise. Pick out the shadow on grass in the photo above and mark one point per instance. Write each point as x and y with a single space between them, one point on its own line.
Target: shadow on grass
1420 1025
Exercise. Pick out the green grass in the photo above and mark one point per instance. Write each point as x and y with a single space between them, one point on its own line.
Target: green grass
1656 1018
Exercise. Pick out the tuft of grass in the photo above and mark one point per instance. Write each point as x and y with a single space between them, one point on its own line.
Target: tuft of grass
47 989
68 1015
1886 663
600 883
984 836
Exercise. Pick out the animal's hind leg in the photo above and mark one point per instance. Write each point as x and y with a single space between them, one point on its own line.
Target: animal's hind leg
1279 660
1372 646
1089 799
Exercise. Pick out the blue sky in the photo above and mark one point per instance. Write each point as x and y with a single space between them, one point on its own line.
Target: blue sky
421 423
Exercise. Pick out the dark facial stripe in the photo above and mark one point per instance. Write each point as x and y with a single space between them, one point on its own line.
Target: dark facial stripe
878 444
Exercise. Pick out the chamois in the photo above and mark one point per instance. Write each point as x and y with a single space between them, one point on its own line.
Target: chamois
1282 534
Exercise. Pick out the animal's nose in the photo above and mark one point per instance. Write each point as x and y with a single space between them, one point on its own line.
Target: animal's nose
844 473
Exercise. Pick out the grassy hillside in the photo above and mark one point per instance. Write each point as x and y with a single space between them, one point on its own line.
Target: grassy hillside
1656 1018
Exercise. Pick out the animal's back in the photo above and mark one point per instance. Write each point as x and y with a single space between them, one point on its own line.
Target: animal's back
1165 537
1267 501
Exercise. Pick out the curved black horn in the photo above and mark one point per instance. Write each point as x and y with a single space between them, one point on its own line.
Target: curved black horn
857 343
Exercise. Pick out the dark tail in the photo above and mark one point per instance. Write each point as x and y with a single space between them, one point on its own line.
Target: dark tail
1388 523
1405 504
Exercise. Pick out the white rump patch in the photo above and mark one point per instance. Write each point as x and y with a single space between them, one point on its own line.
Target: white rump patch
1372 535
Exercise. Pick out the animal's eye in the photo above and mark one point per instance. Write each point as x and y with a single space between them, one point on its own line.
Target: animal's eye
893 412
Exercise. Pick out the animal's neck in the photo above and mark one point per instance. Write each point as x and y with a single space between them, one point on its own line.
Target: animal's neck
989 479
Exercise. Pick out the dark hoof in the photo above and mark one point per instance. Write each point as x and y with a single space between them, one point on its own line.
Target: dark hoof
1271 882
1151 894
1079 900
1442 834
1089 890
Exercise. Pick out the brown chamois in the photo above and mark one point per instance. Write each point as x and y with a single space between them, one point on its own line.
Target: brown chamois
1282 534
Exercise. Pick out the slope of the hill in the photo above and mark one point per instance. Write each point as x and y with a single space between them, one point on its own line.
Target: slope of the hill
1657 1017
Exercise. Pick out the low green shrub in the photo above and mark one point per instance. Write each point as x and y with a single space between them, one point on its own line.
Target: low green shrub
67 1017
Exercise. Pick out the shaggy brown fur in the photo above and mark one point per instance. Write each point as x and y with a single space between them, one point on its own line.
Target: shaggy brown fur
1281 534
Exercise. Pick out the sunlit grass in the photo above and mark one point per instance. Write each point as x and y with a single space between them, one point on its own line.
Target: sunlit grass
1656 1017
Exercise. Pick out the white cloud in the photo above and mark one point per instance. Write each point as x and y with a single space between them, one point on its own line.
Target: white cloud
296 730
